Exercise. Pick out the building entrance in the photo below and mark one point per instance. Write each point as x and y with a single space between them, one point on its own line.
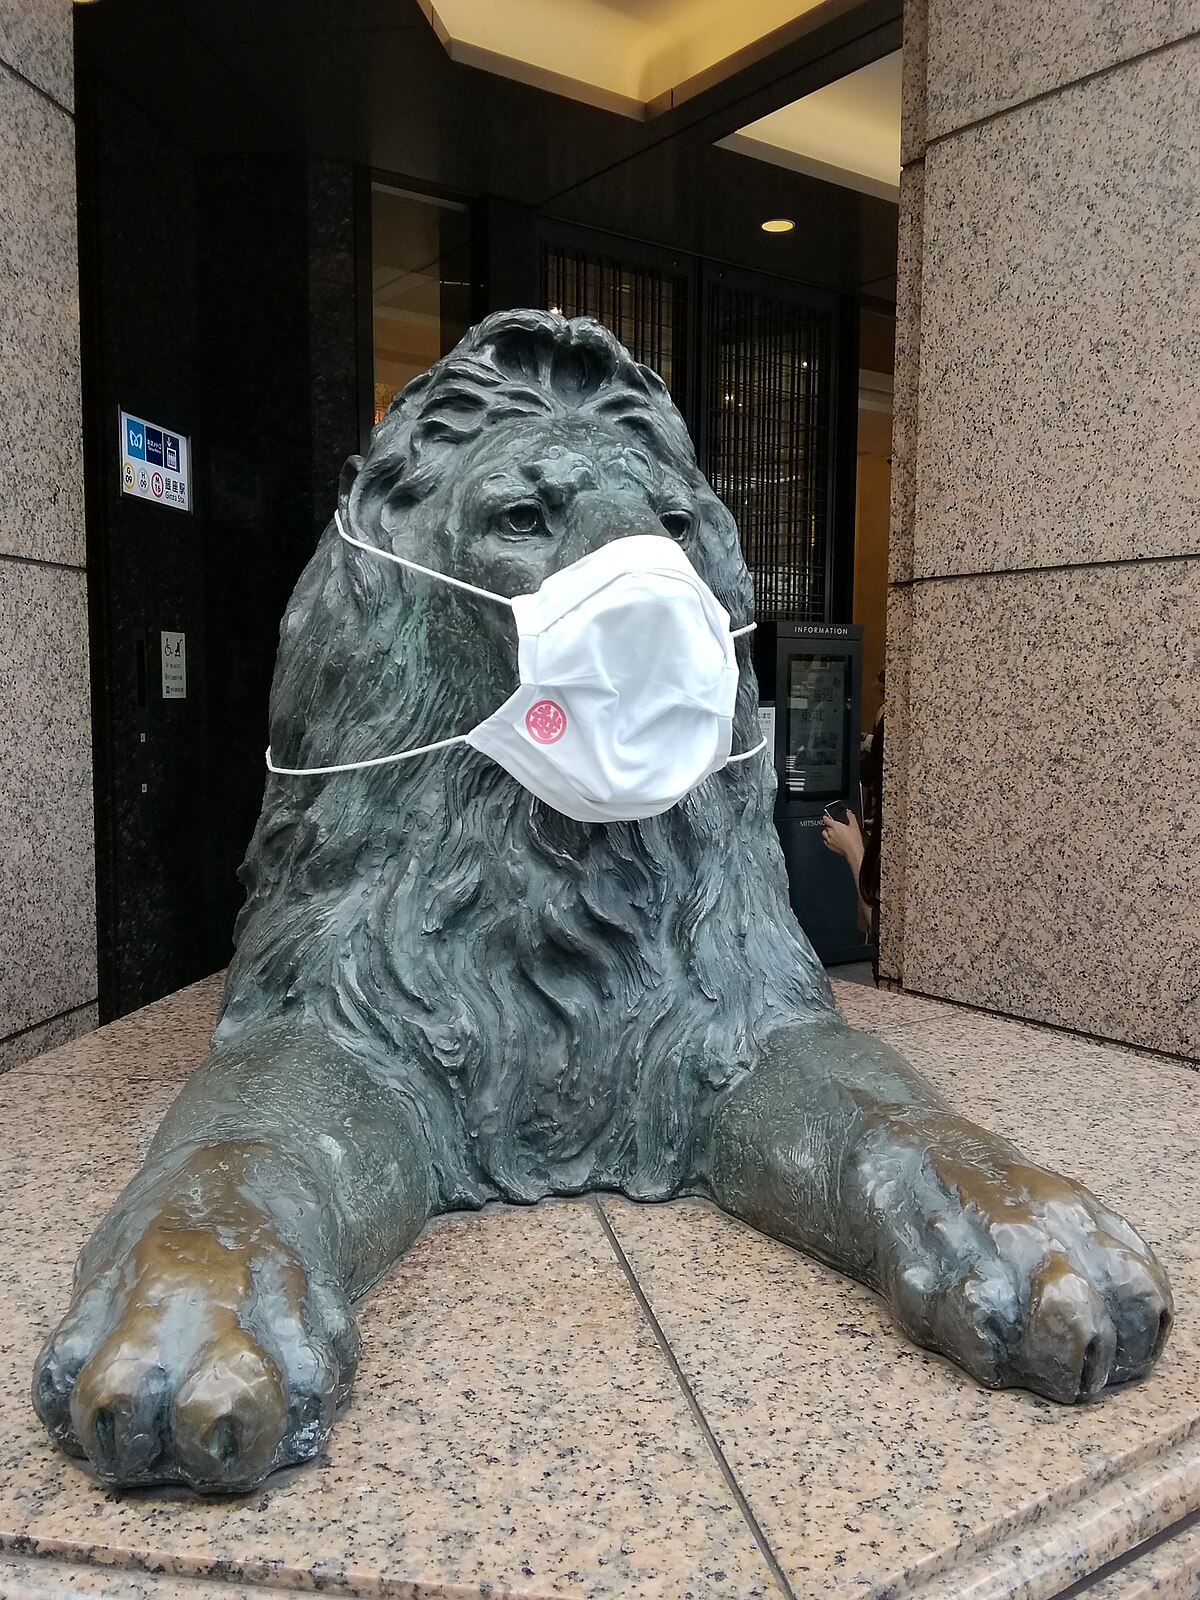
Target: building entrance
317 225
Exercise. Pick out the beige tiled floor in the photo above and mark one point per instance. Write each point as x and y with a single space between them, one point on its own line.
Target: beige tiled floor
600 1399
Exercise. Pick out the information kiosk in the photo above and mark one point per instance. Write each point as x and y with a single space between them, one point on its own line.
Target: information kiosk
818 683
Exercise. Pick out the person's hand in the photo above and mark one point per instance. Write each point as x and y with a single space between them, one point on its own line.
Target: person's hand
844 839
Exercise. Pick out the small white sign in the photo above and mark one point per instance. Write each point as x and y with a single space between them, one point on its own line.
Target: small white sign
766 721
156 464
174 664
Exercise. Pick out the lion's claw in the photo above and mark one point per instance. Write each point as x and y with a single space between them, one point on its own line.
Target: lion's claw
1022 1277
202 1357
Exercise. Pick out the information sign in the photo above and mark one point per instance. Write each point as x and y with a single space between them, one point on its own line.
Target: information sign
156 464
174 666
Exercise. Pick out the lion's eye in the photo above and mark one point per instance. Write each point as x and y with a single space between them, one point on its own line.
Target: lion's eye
677 523
522 520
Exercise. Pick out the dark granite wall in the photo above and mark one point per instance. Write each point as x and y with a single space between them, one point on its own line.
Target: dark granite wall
141 344
256 382
334 314
219 289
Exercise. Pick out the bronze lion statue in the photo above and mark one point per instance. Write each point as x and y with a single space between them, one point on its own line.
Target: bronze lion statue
448 991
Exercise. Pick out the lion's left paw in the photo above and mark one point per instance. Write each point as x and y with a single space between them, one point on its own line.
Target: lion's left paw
1022 1277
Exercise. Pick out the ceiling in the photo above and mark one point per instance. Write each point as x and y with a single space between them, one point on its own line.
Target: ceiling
367 83
847 133
644 57
637 57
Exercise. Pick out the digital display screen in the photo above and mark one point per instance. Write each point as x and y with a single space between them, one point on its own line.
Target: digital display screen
818 726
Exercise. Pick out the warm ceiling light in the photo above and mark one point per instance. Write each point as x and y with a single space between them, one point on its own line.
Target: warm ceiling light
778 225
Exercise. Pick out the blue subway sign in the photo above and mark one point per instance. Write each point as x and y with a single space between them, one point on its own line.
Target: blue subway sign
156 464
135 438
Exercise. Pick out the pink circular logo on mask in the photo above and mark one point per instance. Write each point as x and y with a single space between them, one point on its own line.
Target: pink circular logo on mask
546 722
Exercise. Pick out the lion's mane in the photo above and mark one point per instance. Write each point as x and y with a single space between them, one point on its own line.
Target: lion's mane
560 1002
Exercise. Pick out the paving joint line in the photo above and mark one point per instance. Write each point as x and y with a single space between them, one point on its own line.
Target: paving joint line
700 1419
1127 1558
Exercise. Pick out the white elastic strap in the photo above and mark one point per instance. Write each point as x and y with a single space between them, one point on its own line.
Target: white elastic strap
745 755
430 572
471 588
357 766
421 750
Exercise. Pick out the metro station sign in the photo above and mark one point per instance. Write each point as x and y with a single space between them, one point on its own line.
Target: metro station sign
156 464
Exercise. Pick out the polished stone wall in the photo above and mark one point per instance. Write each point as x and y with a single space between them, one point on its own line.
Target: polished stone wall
47 866
1042 840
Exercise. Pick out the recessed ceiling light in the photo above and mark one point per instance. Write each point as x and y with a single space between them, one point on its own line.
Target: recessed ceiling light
778 225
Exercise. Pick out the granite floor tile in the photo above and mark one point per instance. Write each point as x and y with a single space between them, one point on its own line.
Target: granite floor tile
1124 1123
1070 1542
880 1010
515 1427
1169 1572
873 1466
37 1578
517 1431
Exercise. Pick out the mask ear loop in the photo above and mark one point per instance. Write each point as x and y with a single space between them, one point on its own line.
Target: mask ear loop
402 755
430 572
458 738
744 755
375 761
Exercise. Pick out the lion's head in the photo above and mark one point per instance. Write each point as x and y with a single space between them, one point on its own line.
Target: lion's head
432 913
533 442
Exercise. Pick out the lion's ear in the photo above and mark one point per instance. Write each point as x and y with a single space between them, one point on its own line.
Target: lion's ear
346 482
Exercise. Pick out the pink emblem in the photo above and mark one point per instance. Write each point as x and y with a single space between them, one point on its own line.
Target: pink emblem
546 722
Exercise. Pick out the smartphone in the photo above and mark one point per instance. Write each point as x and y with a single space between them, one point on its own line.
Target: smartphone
836 806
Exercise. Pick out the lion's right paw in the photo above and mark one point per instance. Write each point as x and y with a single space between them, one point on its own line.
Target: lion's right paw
203 1356
1021 1276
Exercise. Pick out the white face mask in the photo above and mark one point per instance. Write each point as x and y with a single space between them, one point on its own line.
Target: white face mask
628 684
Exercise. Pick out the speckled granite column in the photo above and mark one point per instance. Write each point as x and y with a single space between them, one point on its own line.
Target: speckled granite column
1046 522
47 871
904 455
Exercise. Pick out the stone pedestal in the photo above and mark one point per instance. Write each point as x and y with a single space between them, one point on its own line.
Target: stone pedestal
592 1398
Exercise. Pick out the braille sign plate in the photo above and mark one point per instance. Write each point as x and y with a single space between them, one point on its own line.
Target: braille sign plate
156 464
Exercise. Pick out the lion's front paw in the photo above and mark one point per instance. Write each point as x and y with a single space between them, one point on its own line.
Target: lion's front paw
1022 1277
203 1356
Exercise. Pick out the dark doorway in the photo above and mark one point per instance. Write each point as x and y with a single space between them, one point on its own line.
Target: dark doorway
423 294
231 295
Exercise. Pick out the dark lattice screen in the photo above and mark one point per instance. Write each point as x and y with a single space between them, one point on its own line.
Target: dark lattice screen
645 308
769 442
